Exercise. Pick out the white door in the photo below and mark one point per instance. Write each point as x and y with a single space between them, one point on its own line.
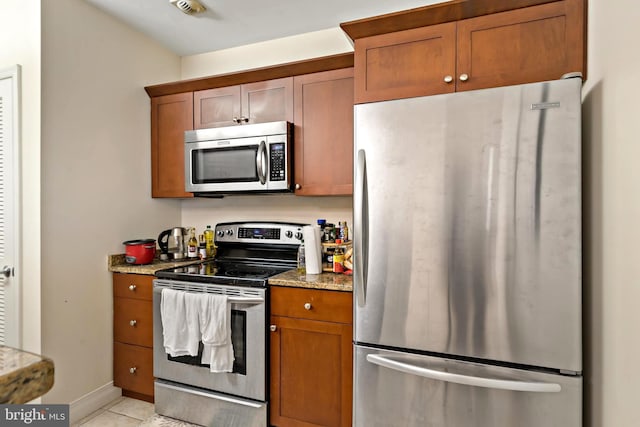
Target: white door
10 301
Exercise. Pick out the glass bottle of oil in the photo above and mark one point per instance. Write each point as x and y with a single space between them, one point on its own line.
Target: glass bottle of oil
302 262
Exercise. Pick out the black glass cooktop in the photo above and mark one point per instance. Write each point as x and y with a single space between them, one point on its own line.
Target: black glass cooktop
223 273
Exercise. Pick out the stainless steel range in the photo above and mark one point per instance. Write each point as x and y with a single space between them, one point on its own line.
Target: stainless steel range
185 388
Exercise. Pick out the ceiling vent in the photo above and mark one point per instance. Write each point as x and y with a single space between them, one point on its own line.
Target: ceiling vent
190 7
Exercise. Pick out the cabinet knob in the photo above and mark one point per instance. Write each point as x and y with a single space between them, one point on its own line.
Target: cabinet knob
298 186
464 77
448 79
307 306
132 288
133 370
133 322
244 119
235 120
273 328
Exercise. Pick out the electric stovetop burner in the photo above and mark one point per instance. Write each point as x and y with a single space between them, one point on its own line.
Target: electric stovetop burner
248 254
212 272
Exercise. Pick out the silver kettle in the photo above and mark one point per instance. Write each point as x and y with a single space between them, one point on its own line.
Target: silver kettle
171 243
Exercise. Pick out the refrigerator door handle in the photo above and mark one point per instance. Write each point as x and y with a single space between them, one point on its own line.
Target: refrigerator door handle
361 228
536 387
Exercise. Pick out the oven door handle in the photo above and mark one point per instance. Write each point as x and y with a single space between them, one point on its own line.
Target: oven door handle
231 300
245 300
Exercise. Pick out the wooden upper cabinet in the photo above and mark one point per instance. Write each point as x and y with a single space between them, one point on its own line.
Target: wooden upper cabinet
171 115
323 133
259 102
216 107
536 43
406 63
521 46
268 101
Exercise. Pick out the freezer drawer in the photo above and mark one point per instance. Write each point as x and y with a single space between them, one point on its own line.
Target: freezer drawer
401 389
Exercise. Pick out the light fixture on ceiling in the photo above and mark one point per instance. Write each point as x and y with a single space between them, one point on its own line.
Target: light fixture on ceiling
189 7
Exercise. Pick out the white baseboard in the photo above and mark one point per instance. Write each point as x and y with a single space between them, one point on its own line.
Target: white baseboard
91 402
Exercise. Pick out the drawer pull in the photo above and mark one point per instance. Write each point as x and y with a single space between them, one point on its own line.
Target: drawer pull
133 322
132 288
448 79
464 77
133 370
307 306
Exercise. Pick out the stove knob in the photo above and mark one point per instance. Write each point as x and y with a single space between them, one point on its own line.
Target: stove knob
289 234
220 233
229 232
299 235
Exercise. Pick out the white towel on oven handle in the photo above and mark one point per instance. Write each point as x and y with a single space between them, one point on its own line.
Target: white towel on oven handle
215 327
179 313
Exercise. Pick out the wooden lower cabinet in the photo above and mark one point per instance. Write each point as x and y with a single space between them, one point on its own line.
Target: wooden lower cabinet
311 358
133 335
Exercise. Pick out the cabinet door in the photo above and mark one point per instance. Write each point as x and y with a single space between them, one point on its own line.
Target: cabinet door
216 107
268 101
171 115
133 368
521 46
133 321
311 373
137 286
323 140
405 64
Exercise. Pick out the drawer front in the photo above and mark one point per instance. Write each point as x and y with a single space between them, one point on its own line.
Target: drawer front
133 368
313 304
138 286
133 321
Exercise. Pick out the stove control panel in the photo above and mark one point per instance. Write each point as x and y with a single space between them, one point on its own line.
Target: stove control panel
259 232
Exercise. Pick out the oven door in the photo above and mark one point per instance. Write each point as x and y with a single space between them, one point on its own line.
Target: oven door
248 334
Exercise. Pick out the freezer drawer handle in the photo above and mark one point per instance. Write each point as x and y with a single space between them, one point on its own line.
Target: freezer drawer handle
536 387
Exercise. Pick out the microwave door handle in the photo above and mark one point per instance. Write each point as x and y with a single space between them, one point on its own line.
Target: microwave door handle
261 162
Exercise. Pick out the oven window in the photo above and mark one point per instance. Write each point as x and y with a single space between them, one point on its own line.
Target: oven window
239 340
213 165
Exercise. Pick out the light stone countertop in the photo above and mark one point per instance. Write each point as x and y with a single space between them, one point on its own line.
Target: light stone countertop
326 281
24 376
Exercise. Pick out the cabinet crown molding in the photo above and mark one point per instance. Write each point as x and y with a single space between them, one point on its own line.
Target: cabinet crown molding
440 13
290 69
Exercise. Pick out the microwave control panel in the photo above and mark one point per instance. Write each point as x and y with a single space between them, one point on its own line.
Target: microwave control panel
278 162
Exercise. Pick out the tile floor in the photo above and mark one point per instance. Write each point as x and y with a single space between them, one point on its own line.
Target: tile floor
126 412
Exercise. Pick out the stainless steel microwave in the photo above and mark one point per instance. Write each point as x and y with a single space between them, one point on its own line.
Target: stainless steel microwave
243 158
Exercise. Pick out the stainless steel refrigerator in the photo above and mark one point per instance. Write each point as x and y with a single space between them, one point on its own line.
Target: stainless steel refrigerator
467 276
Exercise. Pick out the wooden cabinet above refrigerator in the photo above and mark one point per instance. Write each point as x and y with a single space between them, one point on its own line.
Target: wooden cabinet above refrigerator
434 49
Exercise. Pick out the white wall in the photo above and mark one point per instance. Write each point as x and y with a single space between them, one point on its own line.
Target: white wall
202 212
612 212
96 190
280 51
20 44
